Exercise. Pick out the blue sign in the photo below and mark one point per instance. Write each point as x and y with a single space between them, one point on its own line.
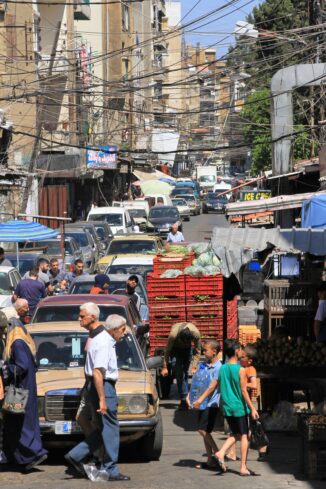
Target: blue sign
102 160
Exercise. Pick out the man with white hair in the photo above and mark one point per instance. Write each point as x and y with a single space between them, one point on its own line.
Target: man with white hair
21 309
101 370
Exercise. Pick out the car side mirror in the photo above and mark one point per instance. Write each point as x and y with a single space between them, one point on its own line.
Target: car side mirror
154 363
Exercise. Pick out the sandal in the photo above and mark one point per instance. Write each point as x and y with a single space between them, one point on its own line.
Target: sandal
249 474
206 466
220 464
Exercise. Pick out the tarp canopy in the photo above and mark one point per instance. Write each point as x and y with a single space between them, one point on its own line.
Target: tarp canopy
236 246
18 231
314 212
152 187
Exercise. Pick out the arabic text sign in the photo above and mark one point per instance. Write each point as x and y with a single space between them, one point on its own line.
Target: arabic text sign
105 160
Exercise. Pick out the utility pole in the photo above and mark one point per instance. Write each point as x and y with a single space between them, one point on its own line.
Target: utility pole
71 55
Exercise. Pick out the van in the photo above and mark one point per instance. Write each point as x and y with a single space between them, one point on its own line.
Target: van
157 199
118 218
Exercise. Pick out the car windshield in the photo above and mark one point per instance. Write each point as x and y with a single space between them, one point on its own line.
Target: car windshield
211 196
118 247
52 247
67 350
51 314
189 198
137 213
4 284
164 212
79 237
179 202
141 270
85 287
111 219
207 179
178 191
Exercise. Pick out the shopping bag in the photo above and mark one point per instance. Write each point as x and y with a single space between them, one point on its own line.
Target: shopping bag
258 438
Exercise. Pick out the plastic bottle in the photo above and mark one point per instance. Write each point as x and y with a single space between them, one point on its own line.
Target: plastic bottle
200 382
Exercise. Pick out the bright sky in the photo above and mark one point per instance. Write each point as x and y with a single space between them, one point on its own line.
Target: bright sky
217 33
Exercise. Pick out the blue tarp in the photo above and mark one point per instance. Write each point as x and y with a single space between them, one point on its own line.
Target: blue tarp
314 212
18 231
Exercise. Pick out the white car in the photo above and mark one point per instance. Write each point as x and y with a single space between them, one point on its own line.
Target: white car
118 218
183 208
9 279
131 265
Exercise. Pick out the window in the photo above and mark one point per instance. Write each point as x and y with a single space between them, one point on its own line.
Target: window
52 314
125 17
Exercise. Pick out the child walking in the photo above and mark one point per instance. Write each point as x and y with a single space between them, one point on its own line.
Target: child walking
236 405
207 416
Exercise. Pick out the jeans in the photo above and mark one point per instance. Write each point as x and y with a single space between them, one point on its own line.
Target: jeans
180 362
108 433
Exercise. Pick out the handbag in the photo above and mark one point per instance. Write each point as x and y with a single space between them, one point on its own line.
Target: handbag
258 438
16 398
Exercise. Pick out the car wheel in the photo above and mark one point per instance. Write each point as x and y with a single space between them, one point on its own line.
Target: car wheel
151 445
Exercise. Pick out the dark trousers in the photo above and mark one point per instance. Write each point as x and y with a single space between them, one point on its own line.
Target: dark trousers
107 435
180 362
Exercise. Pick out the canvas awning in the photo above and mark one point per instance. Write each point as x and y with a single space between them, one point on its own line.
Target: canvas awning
279 203
156 174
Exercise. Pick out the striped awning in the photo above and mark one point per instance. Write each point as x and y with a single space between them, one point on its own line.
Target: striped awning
18 231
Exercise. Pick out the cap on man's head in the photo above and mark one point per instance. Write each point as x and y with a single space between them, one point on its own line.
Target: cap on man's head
101 279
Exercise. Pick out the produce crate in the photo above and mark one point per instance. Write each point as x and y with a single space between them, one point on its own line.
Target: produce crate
315 432
313 459
210 311
174 314
161 263
167 288
248 334
204 289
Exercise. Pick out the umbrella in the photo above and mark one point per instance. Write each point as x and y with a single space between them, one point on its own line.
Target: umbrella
152 187
167 180
18 231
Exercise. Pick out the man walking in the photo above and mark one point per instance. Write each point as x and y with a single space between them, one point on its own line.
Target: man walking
30 289
179 351
56 276
101 372
78 270
174 235
130 290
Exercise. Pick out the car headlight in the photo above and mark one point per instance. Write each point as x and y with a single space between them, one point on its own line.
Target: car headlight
41 407
137 404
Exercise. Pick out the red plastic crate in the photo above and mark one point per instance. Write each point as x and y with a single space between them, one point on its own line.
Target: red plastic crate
165 287
175 315
212 287
161 263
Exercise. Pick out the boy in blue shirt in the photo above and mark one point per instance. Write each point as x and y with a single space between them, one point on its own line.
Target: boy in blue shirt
207 417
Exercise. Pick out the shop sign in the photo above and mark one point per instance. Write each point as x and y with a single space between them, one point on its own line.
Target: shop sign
102 160
250 195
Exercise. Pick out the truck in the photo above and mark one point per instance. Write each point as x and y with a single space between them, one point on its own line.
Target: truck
206 177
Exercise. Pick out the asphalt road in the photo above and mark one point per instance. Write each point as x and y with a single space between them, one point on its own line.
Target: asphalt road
183 448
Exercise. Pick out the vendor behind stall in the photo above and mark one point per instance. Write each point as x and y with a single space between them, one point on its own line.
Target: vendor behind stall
320 318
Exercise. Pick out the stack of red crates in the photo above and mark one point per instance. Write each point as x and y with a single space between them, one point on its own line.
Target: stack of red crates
204 305
161 263
166 299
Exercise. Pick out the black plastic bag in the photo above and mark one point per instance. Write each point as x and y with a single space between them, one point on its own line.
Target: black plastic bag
258 438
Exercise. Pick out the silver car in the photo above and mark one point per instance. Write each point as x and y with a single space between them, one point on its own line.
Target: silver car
87 246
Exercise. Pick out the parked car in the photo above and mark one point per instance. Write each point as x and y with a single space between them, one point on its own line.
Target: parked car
193 203
97 245
84 283
177 191
129 244
60 378
27 260
66 308
9 279
86 244
160 219
104 232
52 248
118 218
182 207
213 202
131 264
138 210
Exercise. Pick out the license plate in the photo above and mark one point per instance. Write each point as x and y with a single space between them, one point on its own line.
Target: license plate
66 427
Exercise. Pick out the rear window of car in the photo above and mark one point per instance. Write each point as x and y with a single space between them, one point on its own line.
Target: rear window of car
50 314
133 246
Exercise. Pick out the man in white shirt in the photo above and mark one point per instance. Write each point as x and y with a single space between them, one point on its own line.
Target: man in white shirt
101 370
174 235
320 318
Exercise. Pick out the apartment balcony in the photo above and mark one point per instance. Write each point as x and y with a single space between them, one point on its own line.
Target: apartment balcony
82 10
